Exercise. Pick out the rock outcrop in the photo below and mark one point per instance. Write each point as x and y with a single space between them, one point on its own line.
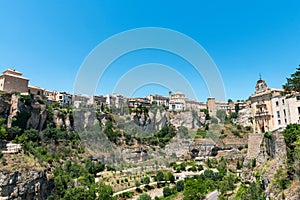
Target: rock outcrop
38 116
26 185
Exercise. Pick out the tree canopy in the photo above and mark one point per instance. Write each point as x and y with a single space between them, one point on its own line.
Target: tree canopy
293 83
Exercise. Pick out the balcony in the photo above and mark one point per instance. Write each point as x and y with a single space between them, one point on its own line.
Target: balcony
262 114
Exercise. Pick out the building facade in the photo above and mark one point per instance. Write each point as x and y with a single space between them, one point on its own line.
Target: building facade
213 106
177 101
160 100
13 81
272 109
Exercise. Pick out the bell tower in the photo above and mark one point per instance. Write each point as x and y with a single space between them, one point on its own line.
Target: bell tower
261 85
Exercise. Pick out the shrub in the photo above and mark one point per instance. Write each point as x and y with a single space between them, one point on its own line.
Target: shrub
144 196
167 192
268 135
236 133
180 186
145 180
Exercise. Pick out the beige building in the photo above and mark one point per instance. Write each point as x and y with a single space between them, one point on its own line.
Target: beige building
13 81
35 90
272 110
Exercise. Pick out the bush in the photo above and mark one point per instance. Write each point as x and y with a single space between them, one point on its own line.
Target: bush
167 192
180 186
137 183
268 135
236 133
160 176
145 180
32 135
144 196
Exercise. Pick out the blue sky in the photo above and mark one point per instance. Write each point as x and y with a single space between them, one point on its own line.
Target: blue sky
49 40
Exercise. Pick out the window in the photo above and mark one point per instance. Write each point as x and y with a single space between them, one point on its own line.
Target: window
279 122
284 113
285 121
299 110
298 98
277 103
283 101
278 114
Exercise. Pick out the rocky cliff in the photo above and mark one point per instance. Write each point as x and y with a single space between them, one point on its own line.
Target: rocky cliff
34 113
24 185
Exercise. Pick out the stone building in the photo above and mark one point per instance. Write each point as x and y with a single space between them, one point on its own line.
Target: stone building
13 81
160 100
272 110
35 90
213 106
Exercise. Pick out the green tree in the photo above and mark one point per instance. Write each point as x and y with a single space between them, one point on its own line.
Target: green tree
32 135
3 133
180 186
291 137
222 167
104 191
293 83
160 176
170 177
144 196
194 189
79 193
146 180
167 191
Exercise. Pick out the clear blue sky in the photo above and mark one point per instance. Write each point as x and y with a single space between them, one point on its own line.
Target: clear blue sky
49 40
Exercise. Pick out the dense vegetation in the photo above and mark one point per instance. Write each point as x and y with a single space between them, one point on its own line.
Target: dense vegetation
292 139
58 150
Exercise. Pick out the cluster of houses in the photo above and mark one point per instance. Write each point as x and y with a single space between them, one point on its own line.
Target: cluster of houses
268 109
13 81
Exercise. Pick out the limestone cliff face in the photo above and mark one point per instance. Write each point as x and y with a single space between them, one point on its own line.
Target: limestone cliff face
38 116
158 118
188 119
24 185
270 155
263 149
10 105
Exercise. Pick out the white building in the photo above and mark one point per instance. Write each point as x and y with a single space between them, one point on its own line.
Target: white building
116 101
177 101
160 100
64 99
